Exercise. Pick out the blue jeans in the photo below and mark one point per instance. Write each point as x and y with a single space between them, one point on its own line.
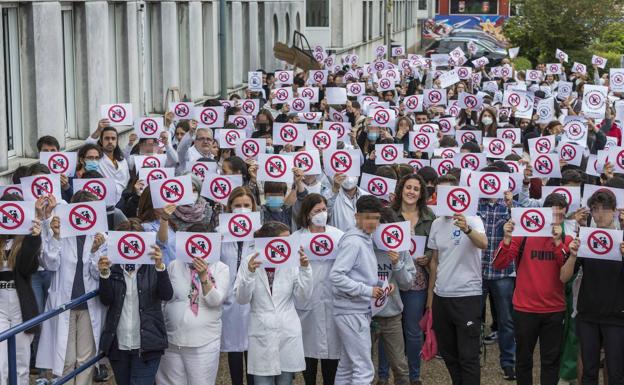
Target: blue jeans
501 291
413 308
131 369
40 283
286 378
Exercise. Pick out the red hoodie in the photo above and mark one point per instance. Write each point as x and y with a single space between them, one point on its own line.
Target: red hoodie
615 132
538 287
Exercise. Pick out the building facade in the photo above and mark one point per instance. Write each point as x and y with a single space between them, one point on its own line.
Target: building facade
63 60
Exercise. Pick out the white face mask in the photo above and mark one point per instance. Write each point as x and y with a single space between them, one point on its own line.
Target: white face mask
314 189
349 183
241 210
486 120
319 219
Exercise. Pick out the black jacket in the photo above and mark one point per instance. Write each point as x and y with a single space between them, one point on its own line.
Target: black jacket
26 264
153 287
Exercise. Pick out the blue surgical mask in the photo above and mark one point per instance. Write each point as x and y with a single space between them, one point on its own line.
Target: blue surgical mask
373 136
274 201
91 165
269 149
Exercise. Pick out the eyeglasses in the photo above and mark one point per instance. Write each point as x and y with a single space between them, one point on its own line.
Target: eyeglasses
203 139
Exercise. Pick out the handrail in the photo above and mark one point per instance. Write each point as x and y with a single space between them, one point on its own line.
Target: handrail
10 334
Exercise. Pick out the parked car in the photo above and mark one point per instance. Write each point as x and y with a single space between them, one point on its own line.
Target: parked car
477 34
484 48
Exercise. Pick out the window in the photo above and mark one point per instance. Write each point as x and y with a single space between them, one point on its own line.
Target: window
287 40
364 20
118 51
422 4
370 20
67 18
13 95
382 10
317 13
184 48
474 7
275 30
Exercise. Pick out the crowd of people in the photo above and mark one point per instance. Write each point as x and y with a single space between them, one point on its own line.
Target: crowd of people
169 321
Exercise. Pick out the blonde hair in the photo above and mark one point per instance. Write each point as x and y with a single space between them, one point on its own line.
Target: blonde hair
15 248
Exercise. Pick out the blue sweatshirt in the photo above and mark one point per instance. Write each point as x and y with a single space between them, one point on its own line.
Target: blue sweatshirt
354 273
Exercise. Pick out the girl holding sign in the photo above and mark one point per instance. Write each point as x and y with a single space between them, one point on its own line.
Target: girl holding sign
198 213
320 339
193 319
18 261
274 327
158 221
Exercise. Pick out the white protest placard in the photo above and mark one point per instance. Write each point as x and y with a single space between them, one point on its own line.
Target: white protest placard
149 175
242 122
470 161
148 127
497 148
579 68
571 153
308 161
317 77
219 187
249 107
532 222
431 128
284 77
572 195
117 114
12 189
278 252
378 304
311 94
422 141
448 78
398 51
282 95
480 62
595 100
343 129
559 54
598 61
201 168
275 168
181 110
36 186
446 152
534 75
87 218
289 133
205 246
590 189
59 162
600 244
16 217
239 226
515 183
319 246
616 79
616 158
464 73
453 200
545 110
467 100
546 166
513 52
393 236
542 145
554 68
385 84
172 191
442 166
513 98
209 117
345 161
382 117
464 136
417 246
378 186
413 103
356 89
254 80
434 97
417 164
299 105
149 161
575 131
490 184
128 247
321 139
511 134
336 95
447 125
310 117
228 137
250 148
104 189
388 154
564 90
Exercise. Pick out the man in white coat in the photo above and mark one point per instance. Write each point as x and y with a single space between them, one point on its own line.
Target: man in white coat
191 149
72 338
345 192
354 276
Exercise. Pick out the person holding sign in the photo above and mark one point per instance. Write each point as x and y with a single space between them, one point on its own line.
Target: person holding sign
193 319
18 262
354 277
320 337
600 319
274 326
71 339
49 143
134 336
280 207
158 221
149 146
455 290
199 212
539 297
197 143
342 202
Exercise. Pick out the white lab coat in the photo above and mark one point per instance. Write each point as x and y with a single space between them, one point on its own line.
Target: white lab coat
275 338
342 209
60 256
120 174
320 337
235 316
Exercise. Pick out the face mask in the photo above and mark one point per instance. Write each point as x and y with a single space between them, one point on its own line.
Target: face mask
91 165
274 202
269 149
319 219
349 183
373 136
314 189
430 191
241 210
487 120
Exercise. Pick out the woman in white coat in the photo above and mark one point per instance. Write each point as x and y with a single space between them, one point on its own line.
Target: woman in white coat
320 338
72 338
275 338
193 320
235 316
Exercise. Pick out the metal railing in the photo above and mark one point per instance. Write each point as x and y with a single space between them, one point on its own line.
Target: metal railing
10 334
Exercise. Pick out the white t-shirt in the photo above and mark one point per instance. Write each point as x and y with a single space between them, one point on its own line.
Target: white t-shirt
459 260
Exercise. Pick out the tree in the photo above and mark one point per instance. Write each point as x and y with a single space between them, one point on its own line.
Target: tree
545 25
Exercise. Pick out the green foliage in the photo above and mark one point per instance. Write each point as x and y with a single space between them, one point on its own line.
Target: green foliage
611 39
522 63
